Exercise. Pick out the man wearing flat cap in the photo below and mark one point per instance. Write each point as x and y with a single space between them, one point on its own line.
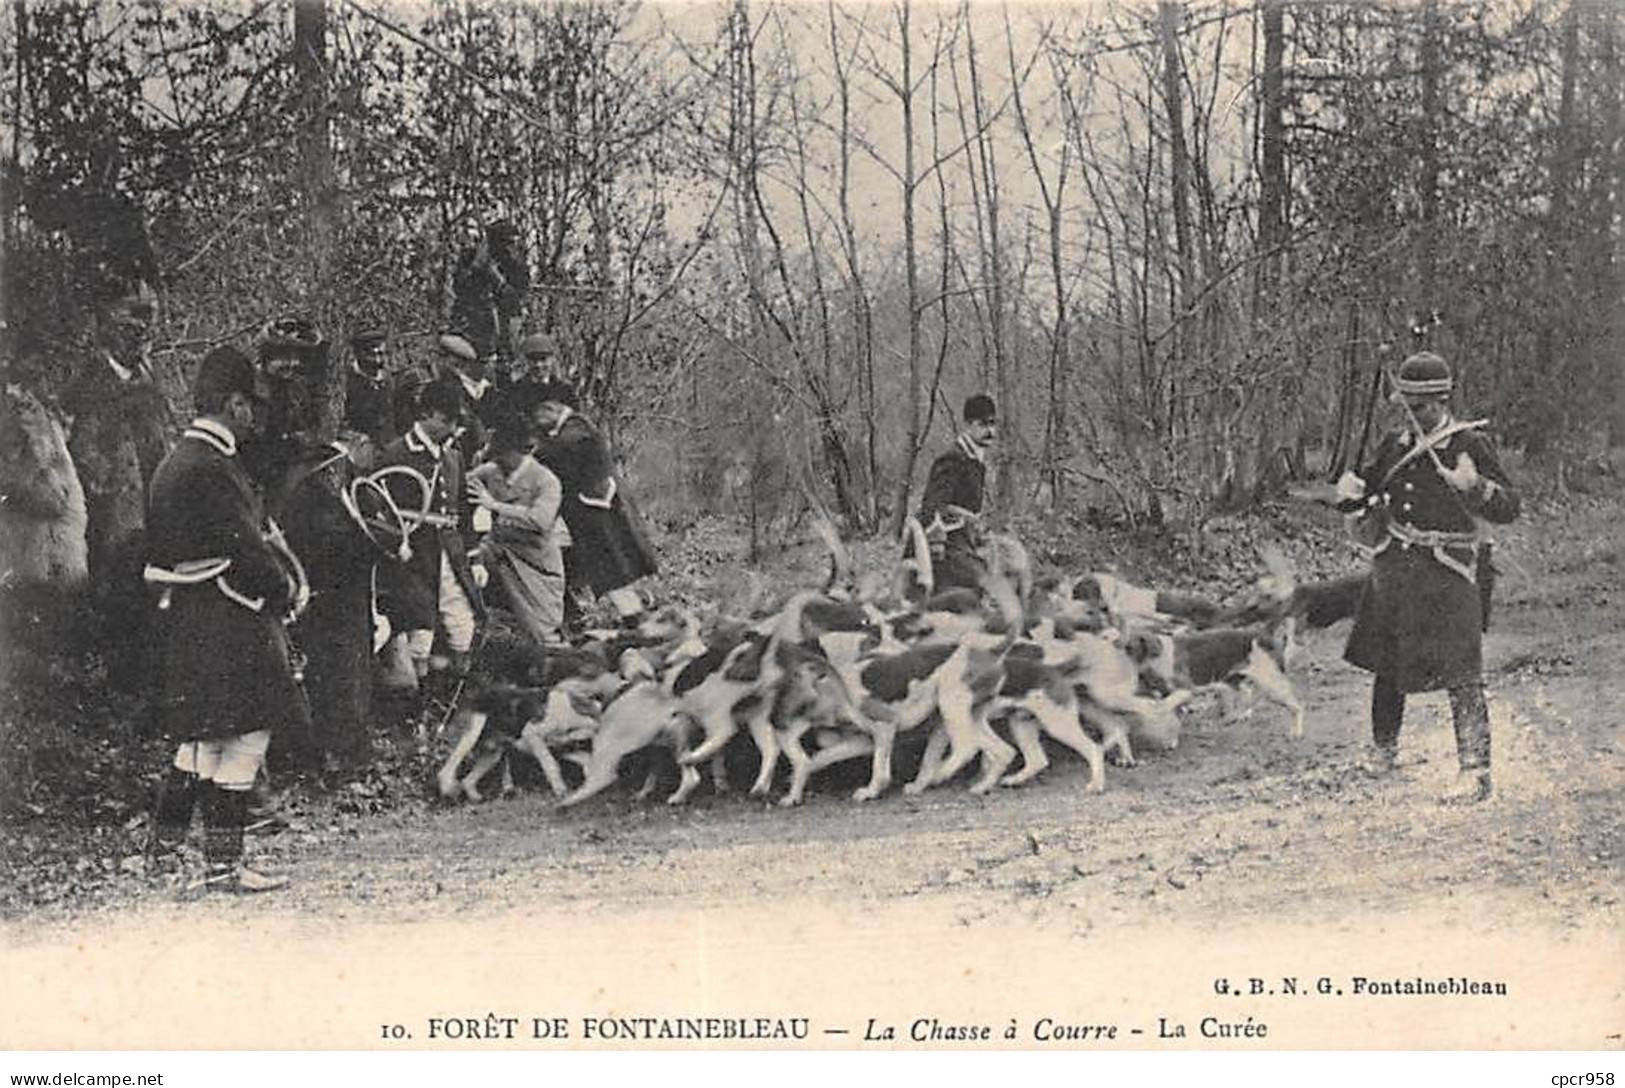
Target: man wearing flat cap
1422 508
609 547
224 680
539 357
460 367
951 506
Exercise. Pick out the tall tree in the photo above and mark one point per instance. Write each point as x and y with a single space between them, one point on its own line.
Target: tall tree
317 191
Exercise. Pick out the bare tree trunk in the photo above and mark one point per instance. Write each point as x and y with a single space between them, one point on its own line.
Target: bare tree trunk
911 267
1432 110
743 163
863 354
1179 178
1056 445
1272 174
821 383
8 192
1272 227
1179 157
1552 363
320 193
1348 393
985 163
1607 233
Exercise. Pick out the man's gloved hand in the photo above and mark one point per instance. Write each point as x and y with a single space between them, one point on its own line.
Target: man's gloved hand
1464 477
1350 488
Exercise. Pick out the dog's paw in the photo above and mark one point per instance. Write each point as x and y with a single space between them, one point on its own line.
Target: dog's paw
789 800
866 793
449 788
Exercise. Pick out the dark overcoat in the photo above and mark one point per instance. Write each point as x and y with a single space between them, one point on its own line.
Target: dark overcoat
1420 622
222 667
370 406
956 478
409 593
336 631
609 545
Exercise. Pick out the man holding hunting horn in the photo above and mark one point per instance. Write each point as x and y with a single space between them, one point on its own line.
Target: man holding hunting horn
1421 508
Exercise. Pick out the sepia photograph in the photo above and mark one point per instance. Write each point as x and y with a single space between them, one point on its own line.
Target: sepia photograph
813 527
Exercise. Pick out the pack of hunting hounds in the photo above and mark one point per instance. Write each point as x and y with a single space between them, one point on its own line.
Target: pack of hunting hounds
841 673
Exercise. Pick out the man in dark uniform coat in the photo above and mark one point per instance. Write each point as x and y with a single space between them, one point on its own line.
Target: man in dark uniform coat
609 546
223 675
436 584
951 506
301 482
1422 505
369 390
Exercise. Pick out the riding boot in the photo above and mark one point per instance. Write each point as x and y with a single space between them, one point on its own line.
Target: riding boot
1470 717
1387 715
224 815
172 812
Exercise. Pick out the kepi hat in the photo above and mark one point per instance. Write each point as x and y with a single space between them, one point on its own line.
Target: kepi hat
1424 374
979 409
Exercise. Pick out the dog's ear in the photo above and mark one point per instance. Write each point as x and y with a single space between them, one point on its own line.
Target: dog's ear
1140 648
746 666
1087 590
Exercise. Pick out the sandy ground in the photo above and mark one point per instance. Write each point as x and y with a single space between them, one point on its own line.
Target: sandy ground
1242 854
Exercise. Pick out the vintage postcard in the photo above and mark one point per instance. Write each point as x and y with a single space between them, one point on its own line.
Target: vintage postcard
775 526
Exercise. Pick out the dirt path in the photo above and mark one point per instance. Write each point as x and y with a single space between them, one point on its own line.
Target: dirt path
1241 837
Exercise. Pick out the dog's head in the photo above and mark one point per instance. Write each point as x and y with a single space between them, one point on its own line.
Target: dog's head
1142 648
1158 724
1087 590
635 665
667 624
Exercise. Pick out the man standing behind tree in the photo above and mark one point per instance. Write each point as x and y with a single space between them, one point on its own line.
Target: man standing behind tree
369 397
609 546
951 507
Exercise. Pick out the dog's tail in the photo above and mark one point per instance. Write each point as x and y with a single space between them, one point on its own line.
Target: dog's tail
1011 615
916 565
841 578
1009 558
1271 598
